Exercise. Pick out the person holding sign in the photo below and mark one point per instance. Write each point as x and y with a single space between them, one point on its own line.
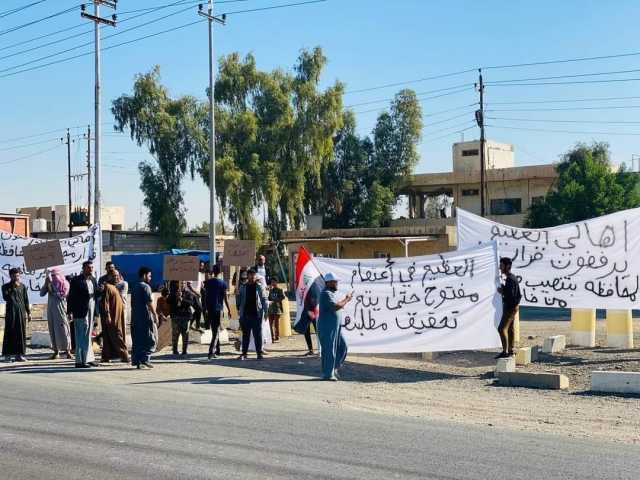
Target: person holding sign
511 297
144 332
15 320
57 287
333 347
81 304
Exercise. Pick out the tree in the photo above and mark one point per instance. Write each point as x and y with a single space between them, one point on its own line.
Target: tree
362 184
172 129
587 187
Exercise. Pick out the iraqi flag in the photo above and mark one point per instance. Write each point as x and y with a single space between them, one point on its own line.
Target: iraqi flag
309 285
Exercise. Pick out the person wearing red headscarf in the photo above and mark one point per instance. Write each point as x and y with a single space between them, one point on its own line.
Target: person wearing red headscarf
57 289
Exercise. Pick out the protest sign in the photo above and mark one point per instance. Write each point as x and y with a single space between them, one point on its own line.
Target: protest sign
181 267
590 264
239 253
75 250
419 304
42 255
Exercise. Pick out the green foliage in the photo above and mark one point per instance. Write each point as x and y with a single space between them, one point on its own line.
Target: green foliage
362 184
172 131
587 187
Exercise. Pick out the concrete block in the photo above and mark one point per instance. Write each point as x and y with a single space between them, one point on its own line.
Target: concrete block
583 327
554 344
40 339
428 356
619 329
615 382
200 338
523 356
535 353
548 381
507 364
224 335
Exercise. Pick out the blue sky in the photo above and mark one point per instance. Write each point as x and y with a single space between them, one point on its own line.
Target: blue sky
368 44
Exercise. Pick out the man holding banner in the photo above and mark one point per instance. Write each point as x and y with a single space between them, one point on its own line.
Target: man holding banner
15 321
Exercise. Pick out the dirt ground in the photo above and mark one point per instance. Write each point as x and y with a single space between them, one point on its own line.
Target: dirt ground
459 386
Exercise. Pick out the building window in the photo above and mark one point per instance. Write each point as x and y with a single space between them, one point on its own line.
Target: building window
470 153
380 254
506 206
536 200
471 192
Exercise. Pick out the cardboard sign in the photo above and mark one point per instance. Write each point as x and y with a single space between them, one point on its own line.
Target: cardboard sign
181 267
42 255
239 253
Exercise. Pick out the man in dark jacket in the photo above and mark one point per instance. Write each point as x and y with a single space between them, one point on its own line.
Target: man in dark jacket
81 304
511 297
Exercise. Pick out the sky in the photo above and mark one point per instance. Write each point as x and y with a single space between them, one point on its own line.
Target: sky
369 44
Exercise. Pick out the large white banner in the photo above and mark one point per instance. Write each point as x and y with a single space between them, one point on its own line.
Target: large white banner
75 250
589 264
420 304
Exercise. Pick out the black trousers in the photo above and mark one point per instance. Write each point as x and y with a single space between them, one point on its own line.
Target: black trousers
307 334
251 323
214 318
197 313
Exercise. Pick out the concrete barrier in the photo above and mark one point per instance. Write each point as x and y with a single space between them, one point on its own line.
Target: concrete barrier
615 382
619 329
507 364
554 344
523 356
516 328
583 327
200 338
535 353
548 381
41 339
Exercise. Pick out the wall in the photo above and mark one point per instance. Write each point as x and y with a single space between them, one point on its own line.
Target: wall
497 155
16 225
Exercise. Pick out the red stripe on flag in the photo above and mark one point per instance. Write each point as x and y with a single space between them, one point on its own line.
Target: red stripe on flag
303 259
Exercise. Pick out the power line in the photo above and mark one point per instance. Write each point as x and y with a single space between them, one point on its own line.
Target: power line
594 99
447 119
463 124
461 88
25 145
34 22
631 134
6 13
448 134
577 75
610 122
563 60
407 82
613 80
274 7
563 109
31 155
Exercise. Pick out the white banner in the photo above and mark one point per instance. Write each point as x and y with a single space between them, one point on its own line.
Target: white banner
589 264
420 304
75 250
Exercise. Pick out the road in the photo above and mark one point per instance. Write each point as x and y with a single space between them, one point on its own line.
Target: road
203 421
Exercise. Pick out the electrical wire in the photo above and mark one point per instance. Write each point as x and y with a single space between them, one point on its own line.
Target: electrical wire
461 88
447 119
6 13
562 109
576 82
606 122
34 22
407 82
31 155
25 145
630 134
428 139
452 127
274 7
594 99
557 77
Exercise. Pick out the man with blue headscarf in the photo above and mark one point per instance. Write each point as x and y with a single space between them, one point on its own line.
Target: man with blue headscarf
333 347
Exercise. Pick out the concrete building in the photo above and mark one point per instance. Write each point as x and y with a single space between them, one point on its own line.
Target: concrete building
15 223
55 218
510 190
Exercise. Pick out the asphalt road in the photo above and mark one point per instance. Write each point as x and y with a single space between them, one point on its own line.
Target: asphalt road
117 423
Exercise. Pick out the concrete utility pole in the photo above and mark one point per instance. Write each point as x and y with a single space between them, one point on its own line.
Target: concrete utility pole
480 122
89 175
97 20
212 143
68 142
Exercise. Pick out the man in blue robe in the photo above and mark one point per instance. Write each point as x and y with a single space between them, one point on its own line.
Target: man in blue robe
333 347
144 331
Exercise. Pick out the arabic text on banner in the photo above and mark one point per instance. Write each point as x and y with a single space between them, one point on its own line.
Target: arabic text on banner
590 264
75 251
420 304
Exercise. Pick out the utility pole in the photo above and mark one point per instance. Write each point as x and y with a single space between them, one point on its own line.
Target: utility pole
480 122
68 143
88 175
97 20
212 126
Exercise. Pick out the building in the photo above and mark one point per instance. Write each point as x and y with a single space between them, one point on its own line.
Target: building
56 218
15 223
510 190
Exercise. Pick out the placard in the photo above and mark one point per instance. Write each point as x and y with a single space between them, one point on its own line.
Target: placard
239 253
42 255
184 268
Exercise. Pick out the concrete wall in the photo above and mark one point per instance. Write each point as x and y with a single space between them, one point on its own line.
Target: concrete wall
497 155
110 218
14 224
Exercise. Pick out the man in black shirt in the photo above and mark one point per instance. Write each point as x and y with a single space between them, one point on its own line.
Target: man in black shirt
511 297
